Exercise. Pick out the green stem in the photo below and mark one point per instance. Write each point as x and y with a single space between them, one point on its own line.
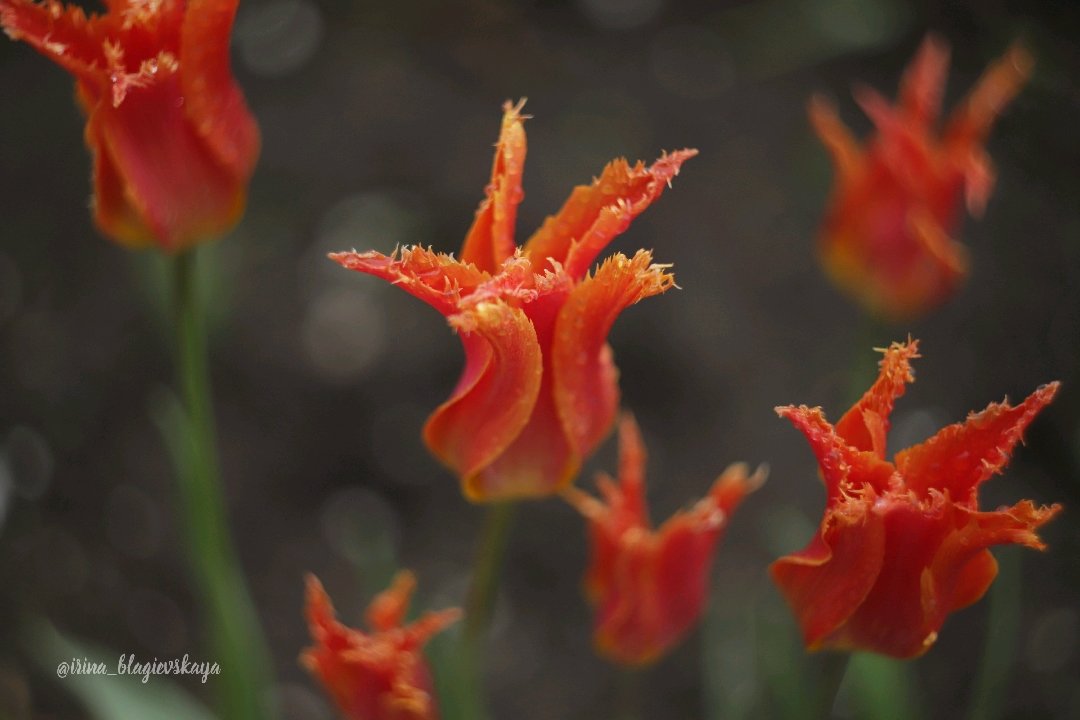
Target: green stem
992 685
834 666
235 636
629 699
462 674
486 571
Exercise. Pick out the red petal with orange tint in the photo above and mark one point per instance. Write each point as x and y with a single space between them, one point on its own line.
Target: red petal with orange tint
649 587
64 34
490 240
842 146
212 100
924 82
377 676
495 395
594 214
864 426
962 456
825 583
111 206
437 279
181 192
843 467
586 388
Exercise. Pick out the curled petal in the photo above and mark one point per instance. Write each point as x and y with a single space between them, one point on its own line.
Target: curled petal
586 388
494 397
490 241
111 205
437 279
864 426
827 582
594 214
842 146
650 586
212 100
734 484
62 33
844 468
962 456
936 562
972 120
629 498
946 254
376 676
963 568
924 82
181 193
389 607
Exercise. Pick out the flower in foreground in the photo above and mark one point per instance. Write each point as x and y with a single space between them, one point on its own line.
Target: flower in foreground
539 390
903 543
172 140
649 586
381 675
888 234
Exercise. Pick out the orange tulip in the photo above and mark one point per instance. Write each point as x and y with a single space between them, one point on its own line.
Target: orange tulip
172 139
903 543
887 238
377 676
539 390
649 586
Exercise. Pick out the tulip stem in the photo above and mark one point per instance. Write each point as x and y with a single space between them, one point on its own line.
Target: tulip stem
999 651
487 568
469 703
834 667
231 622
630 682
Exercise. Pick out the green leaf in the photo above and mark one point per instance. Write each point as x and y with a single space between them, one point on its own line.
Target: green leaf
109 697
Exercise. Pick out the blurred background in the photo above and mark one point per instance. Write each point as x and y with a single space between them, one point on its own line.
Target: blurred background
378 122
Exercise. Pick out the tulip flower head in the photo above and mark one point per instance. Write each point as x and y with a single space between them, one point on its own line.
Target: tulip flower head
649 586
539 389
888 234
381 675
172 140
903 543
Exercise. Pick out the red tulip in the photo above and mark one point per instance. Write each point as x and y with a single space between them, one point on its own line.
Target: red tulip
903 543
649 586
888 235
381 675
539 390
172 139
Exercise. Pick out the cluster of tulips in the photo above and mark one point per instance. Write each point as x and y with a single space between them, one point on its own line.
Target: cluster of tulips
902 542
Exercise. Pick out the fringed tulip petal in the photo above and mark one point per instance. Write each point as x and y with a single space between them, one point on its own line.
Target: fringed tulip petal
539 389
377 676
902 544
865 425
595 214
490 241
437 279
496 394
649 586
960 457
62 33
586 380
174 144
838 460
